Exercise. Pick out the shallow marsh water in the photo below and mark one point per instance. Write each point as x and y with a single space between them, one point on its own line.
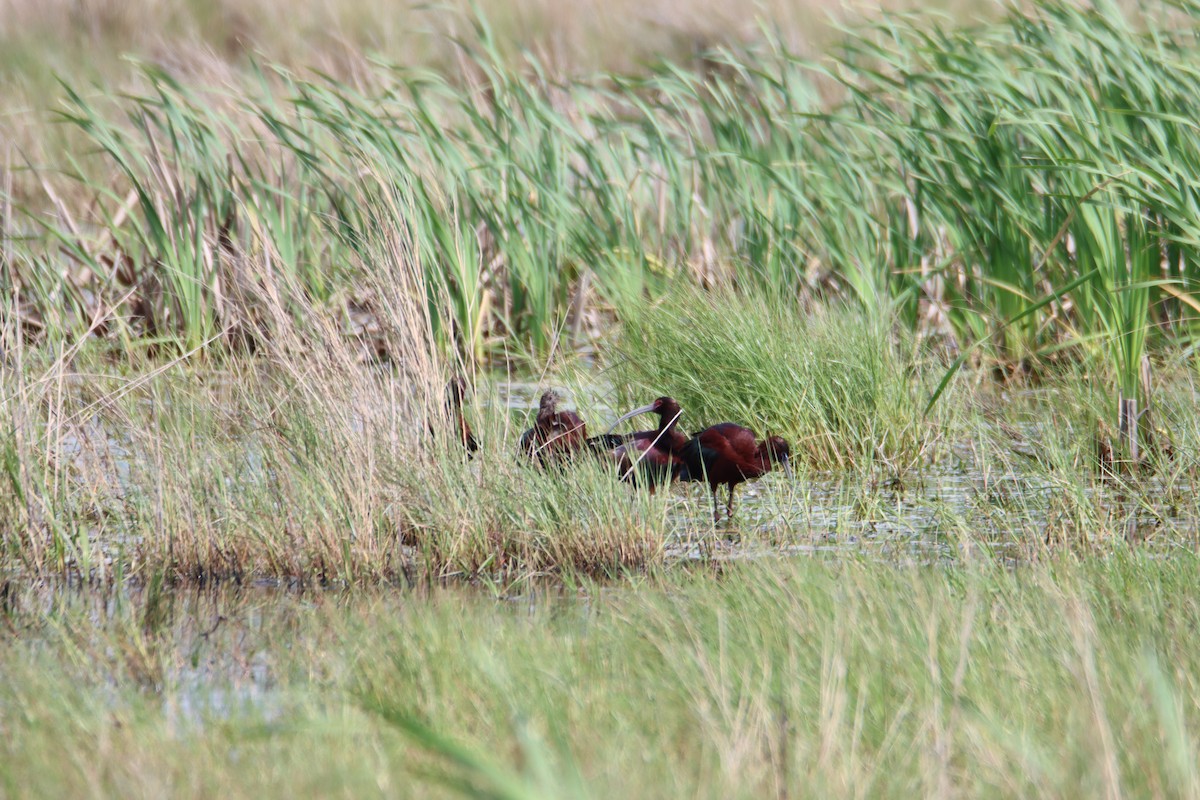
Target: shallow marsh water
220 642
230 651
931 516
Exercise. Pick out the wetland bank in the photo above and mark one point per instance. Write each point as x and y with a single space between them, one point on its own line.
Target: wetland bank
243 550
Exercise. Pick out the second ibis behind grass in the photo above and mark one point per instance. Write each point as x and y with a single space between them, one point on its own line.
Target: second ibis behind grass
555 434
652 455
456 394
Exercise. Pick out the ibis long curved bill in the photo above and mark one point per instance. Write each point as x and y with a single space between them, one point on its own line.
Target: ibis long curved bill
629 415
786 462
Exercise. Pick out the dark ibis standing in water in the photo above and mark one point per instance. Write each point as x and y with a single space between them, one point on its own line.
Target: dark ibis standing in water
456 393
555 434
729 454
651 455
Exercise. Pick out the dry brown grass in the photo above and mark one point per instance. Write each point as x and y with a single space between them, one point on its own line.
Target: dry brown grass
579 34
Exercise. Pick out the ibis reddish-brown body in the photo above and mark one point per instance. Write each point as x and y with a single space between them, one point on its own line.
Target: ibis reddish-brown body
647 455
456 392
729 454
555 434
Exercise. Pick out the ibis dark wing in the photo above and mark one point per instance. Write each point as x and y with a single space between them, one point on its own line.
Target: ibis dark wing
605 442
718 451
699 454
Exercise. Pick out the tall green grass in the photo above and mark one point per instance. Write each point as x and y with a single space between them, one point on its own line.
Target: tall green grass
1024 187
828 378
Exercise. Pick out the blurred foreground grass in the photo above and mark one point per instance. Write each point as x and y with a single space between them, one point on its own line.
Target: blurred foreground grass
1064 678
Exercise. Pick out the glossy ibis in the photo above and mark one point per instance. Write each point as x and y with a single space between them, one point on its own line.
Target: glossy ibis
729 454
456 393
555 434
653 454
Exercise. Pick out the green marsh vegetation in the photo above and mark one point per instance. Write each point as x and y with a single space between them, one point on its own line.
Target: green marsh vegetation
953 264
816 247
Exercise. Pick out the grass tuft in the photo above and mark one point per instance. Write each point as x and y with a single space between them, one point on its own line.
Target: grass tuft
826 377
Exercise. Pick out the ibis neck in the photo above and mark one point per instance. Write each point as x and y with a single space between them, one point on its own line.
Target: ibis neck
763 455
